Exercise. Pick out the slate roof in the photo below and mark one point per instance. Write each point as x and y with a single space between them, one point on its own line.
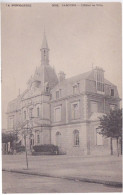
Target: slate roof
87 75
46 72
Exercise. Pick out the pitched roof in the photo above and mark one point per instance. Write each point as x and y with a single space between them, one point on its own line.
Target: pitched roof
87 75
74 79
49 75
108 82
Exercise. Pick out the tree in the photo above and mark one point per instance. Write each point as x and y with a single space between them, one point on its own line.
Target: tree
8 137
111 126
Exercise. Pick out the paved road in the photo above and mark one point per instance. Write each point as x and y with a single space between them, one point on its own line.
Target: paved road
107 168
22 183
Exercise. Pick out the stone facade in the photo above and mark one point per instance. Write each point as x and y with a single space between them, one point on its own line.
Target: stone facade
63 112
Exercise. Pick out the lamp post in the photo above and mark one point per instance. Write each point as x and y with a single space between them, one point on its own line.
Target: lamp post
27 132
26 151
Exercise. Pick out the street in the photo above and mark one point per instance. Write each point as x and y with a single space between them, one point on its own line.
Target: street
102 168
23 183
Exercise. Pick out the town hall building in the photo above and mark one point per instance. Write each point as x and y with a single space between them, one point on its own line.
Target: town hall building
63 111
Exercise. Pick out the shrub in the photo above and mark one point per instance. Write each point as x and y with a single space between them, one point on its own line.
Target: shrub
46 148
20 148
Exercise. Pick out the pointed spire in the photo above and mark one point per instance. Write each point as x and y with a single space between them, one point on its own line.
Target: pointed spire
44 52
44 43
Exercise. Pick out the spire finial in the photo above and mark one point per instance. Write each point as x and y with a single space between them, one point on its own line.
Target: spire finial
44 43
44 51
44 29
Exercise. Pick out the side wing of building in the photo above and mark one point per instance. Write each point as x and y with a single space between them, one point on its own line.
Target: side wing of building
76 105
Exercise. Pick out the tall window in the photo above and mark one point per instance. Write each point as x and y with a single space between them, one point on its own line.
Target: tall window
60 92
31 112
25 115
100 86
57 114
38 139
75 110
57 94
99 138
94 106
38 111
76 137
100 80
47 89
32 140
58 139
112 92
74 89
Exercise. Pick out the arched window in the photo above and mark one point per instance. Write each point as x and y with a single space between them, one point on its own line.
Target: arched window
38 111
31 112
44 53
32 140
76 137
58 138
74 89
38 138
24 114
58 133
75 110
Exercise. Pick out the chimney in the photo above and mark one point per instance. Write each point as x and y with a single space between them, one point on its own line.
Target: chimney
61 76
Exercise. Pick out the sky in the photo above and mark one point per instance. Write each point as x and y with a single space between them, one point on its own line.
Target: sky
79 38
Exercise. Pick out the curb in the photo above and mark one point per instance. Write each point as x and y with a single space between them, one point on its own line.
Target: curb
98 181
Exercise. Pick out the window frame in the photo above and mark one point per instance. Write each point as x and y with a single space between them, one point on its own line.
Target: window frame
73 112
38 138
57 94
55 108
38 111
25 115
97 134
58 138
30 112
112 90
96 103
76 138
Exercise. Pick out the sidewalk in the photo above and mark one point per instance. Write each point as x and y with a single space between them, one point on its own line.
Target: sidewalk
104 170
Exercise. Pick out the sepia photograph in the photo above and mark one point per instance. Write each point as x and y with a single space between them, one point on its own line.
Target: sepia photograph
61 67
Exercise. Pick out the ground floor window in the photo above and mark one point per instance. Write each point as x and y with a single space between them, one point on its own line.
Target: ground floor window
76 137
58 138
57 114
38 138
32 140
99 138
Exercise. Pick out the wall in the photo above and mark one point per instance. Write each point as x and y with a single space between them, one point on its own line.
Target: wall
66 116
67 138
94 148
